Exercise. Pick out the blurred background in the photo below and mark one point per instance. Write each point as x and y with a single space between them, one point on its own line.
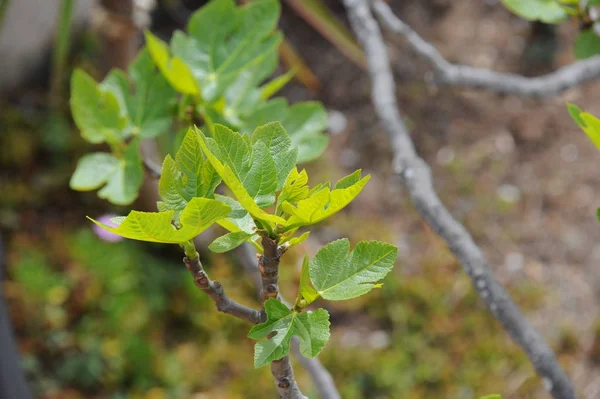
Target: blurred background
99 319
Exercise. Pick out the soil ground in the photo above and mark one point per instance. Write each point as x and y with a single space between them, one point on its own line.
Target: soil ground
517 172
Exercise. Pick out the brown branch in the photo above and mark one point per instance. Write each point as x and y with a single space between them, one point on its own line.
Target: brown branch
214 289
416 176
268 266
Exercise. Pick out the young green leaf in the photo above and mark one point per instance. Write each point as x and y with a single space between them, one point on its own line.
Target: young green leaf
124 184
311 327
279 145
294 189
229 241
96 112
306 293
338 274
548 11
304 122
197 216
150 105
93 171
587 44
173 68
226 40
322 204
231 177
298 240
239 219
269 89
190 175
587 122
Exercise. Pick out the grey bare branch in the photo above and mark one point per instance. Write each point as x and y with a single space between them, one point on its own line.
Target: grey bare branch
466 76
416 176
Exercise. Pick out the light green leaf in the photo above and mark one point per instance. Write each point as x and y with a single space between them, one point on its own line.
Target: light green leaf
226 40
269 89
299 240
93 171
294 189
322 204
197 216
190 175
229 241
306 292
305 122
575 111
235 185
491 397
124 184
587 44
96 112
172 68
150 105
348 181
338 274
278 144
587 122
239 219
311 327
261 179
548 11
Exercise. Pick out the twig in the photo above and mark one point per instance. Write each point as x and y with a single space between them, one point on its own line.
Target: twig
214 289
319 374
416 176
154 169
462 75
268 266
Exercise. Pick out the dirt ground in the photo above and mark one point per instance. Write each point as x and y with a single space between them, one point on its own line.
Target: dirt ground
516 171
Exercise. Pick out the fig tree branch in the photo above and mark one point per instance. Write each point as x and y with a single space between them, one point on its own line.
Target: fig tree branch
268 266
451 74
214 289
416 176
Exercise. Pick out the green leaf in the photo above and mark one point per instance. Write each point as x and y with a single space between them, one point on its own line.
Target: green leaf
294 189
261 179
306 292
93 171
226 40
548 11
338 274
305 123
299 240
150 105
190 175
322 204
197 216
587 122
587 44
173 68
269 89
575 111
96 112
311 327
278 144
231 179
348 181
229 241
123 185
491 397
239 219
